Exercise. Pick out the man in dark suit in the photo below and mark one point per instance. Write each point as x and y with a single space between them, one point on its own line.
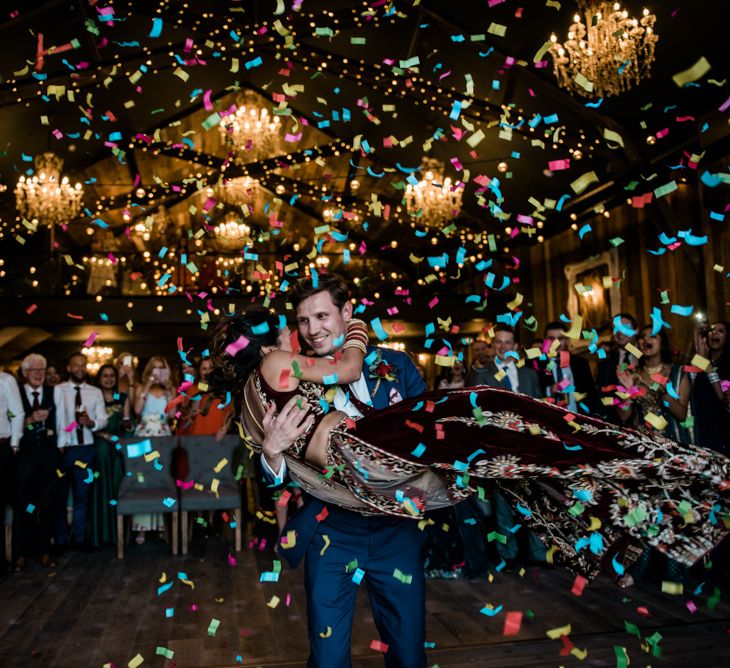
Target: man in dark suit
504 372
567 377
617 357
36 464
335 541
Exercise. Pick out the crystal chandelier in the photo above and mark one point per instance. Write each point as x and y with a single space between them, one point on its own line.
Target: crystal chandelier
608 54
46 197
96 356
237 192
433 201
232 232
251 131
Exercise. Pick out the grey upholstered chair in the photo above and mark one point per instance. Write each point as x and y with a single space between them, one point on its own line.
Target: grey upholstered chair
148 485
211 483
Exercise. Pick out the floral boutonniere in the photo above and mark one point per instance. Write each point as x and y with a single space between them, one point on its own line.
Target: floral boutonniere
380 369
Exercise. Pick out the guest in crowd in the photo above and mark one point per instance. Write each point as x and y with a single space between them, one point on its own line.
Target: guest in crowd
482 359
567 378
209 414
53 377
658 400
152 399
11 431
453 377
616 358
709 402
109 465
36 493
80 411
504 372
654 404
124 365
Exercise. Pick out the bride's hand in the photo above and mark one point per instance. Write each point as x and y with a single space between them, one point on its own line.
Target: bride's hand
282 430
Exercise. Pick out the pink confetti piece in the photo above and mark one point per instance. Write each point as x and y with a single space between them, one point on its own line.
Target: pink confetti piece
557 165
379 646
691 607
239 344
91 339
293 138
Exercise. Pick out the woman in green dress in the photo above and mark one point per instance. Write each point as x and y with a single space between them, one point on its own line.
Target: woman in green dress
109 466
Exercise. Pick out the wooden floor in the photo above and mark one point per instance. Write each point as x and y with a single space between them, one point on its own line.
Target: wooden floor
94 609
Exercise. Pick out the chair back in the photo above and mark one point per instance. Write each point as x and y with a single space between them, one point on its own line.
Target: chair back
209 459
148 458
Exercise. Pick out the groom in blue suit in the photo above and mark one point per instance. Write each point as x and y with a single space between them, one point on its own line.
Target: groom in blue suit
343 548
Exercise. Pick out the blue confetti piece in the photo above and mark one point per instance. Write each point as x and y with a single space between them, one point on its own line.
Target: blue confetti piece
156 27
685 311
620 570
163 588
378 329
358 575
419 450
523 511
253 63
572 448
491 612
330 380
260 329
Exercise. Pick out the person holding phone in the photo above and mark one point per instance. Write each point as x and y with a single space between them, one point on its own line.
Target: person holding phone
152 405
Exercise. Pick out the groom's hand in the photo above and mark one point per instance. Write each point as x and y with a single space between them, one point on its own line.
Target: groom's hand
282 430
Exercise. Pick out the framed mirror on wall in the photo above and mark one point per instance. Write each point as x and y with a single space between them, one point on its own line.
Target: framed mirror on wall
593 292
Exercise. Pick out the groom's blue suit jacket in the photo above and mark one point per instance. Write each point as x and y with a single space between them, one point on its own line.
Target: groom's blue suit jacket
408 383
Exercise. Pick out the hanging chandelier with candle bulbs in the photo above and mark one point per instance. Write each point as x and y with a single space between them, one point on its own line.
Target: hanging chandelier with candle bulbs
232 233
48 197
433 201
250 132
238 191
608 54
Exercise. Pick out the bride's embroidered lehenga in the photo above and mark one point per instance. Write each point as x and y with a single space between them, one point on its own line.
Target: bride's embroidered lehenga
592 489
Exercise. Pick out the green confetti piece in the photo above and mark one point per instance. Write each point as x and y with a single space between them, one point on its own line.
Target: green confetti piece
402 577
622 658
213 626
713 600
212 121
494 535
163 651
632 629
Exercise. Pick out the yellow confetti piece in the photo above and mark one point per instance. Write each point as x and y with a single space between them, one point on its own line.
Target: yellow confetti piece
220 465
558 631
700 362
534 429
595 523
214 486
697 71
275 600
326 540
445 360
612 137
499 375
163 578
497 29
327 633
181 74
582 182
80 464
579 654
656 421
136 661
674 588
630 347
291 540
575 327
151 455
550 553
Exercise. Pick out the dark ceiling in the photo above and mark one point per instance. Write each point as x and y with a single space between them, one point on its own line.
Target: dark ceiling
372 87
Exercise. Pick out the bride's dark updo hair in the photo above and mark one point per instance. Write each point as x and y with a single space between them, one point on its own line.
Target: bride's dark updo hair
232 367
